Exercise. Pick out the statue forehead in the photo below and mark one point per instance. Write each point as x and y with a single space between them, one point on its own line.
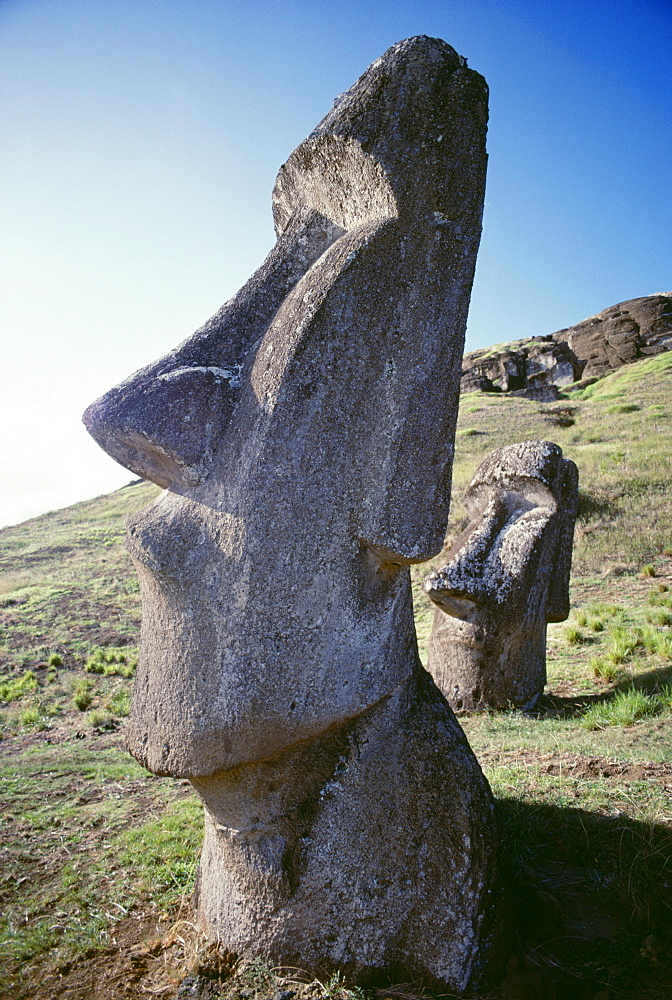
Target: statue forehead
381 150
536 469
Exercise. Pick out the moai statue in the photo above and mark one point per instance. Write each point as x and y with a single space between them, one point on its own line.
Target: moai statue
304 437
506 577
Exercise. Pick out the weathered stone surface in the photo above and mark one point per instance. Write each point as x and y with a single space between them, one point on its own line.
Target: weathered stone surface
365 849
623 333
521 365
305 437
507 575
542 393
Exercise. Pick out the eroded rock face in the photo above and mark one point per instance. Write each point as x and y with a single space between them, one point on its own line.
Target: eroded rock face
622 333
348 824
505 578
522 365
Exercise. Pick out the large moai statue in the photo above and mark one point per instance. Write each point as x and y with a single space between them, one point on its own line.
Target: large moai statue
506 577
304 437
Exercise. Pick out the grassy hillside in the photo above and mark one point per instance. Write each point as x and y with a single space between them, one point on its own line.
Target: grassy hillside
98 857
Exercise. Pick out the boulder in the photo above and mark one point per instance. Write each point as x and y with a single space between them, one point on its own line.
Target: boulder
542 393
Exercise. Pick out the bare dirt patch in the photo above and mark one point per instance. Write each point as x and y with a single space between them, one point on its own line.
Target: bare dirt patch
129 968
580 766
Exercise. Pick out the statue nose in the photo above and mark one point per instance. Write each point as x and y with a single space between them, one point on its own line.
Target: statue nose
164 428
466 581
165 422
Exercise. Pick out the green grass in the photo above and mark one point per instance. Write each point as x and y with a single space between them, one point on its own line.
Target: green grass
82 696
84 854
67 583
111 662
626 708
623 408
574 636
17 687
90 841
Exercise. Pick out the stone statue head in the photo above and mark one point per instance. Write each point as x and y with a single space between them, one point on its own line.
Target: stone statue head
304 435
304 440
506 577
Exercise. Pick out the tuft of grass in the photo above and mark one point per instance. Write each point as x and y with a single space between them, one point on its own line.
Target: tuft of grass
574 636
663 646
111 663
32 717
624 642
82 695
94 666
100 720
659 598
623 408
17 687
55 660
648 570
602 668
665 696
120 703
626 708
662 616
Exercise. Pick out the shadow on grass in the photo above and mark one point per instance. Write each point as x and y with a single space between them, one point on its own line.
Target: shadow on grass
557 706
593 904
552 706
595 505
652 681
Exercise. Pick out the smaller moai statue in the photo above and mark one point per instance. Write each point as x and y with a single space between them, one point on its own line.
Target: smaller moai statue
506 577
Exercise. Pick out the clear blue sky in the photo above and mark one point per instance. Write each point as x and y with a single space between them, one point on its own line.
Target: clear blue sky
140 141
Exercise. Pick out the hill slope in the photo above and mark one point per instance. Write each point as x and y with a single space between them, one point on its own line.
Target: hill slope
98 857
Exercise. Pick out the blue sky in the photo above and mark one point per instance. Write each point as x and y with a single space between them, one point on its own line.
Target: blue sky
140 140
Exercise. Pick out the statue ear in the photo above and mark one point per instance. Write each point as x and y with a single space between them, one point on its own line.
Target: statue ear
557 607
407 495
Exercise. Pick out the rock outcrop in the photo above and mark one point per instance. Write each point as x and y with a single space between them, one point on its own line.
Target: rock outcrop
623 333
348 823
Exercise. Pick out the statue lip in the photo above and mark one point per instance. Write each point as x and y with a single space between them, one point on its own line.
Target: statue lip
456 603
